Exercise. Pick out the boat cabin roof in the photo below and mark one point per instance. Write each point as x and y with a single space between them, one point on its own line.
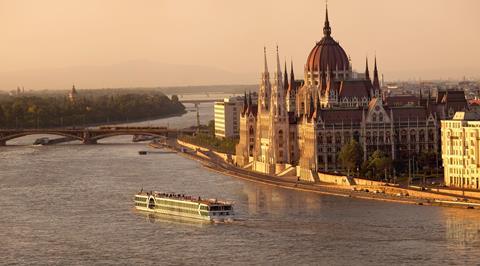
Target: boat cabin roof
183 197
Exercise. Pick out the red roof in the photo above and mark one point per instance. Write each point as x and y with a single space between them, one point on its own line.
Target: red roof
474 102
354 88
341 115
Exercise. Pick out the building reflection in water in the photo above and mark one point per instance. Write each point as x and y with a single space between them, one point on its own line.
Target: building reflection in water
462 226
277 201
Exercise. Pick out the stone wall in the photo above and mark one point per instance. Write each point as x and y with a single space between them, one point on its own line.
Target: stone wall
333 179
191 146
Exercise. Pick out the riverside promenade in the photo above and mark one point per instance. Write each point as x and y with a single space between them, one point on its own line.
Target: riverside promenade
388 193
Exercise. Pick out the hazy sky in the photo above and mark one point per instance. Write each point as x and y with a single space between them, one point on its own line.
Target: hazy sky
412 38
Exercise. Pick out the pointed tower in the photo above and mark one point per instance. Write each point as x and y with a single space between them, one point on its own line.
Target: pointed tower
278 92
367 73
271 149
327 31
250 103
376 82
265 86
291 91
72 96
245 103
285 77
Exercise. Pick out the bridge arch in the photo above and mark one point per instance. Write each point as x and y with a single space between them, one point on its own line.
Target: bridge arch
95 138
15 135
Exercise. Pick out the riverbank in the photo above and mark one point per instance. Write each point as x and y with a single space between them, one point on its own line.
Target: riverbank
212 161
115 123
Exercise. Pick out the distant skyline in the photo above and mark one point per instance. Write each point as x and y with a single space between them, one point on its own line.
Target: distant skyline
51 44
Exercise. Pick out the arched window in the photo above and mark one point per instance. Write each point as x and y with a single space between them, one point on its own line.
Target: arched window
374 117
380 117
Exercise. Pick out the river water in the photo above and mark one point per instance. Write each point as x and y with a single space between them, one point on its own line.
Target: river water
72 204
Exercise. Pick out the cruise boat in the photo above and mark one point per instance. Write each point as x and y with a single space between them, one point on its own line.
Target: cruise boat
184 206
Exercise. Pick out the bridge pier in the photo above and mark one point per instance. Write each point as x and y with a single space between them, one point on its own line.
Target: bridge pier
3 142
89 141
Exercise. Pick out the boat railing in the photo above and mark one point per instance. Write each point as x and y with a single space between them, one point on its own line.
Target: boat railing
198 199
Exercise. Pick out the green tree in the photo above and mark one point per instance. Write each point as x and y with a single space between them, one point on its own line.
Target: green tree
211 127
351 156
379 163
427 160
3 120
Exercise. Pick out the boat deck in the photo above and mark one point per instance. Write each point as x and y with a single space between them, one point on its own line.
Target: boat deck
183 197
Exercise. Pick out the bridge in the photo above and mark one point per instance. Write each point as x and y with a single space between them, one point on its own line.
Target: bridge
92 135
201 101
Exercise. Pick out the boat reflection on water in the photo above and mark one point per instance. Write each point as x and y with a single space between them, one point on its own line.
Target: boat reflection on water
158 218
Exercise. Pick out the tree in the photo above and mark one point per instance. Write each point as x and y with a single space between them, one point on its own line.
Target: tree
351 156
211 127
379 163
427 160
2 118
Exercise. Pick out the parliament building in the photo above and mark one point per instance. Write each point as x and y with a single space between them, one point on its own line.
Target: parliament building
299 126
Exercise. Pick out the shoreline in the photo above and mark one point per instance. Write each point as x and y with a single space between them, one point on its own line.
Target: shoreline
320 188
116 123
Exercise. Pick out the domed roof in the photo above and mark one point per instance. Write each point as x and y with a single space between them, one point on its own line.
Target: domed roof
327 52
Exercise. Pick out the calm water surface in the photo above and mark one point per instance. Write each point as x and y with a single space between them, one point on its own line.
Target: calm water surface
72 204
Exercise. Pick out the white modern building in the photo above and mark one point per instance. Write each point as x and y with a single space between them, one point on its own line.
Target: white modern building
461 150
227 117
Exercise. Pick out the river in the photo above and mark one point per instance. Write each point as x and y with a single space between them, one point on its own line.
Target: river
71 204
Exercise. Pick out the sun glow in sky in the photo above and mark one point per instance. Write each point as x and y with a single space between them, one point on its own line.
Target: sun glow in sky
411 38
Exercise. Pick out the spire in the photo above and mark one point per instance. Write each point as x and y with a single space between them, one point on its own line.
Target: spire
326 28
265 59
245 104
292 76
279 69
367 73
285 77
250 103
376 83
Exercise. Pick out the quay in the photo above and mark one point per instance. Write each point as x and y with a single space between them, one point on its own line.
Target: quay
371 190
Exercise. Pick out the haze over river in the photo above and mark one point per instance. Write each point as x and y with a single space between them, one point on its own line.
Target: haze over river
72 204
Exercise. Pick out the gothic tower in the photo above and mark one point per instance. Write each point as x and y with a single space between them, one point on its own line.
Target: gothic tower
291 91
376 82
279 119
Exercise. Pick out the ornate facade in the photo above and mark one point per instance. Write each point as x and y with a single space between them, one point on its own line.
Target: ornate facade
302 125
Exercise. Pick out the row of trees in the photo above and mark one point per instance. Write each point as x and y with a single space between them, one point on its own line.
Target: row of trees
59 111
208 139
380 166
